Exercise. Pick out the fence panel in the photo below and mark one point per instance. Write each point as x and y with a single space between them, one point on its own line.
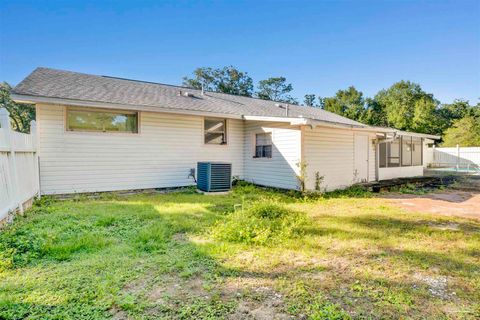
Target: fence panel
19 178
465 157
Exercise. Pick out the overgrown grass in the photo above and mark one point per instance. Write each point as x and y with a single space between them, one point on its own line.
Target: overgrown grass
264 223
340 255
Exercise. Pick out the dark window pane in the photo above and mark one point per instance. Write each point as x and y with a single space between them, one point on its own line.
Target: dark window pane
263 145
382 150
267 151
258 151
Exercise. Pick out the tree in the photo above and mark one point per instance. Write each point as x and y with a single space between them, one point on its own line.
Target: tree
448 113
276 89
374 114
20 114
425 116
404 101
348 103
465 132
309 100
226 80
203 78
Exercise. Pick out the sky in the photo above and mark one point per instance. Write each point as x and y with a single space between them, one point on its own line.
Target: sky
319 46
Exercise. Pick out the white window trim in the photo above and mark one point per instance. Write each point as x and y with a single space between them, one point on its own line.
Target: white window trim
100 133
227 132
254 144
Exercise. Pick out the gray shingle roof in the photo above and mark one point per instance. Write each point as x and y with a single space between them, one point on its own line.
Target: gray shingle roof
51 83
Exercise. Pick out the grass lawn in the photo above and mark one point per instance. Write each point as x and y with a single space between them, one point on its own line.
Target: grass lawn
190 256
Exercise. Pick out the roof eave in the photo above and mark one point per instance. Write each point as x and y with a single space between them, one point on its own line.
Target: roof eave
98 104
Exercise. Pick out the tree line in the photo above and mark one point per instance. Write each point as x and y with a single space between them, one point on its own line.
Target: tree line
404 105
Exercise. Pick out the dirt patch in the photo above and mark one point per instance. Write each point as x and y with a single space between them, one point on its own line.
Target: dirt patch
262 303
174 288
437 285
118 314
449 203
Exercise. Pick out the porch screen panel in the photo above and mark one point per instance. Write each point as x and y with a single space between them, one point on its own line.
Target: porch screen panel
406 151
393 153
382 150
417 152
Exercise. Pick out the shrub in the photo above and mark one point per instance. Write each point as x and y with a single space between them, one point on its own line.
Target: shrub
268 211
263 223
18 248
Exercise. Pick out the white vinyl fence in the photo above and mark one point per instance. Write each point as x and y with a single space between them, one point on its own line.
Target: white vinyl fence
467 158
19 176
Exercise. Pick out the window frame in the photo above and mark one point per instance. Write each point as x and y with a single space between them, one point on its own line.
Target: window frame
401 140
100 110
226 125
263 145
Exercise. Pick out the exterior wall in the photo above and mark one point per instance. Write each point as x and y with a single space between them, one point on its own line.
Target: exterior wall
281 170
400 172
330 152
160 155
427 153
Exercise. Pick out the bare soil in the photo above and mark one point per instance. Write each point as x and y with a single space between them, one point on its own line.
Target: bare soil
458 203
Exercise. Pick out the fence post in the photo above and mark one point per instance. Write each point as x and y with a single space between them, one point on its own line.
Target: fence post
458 157
33 133
5 123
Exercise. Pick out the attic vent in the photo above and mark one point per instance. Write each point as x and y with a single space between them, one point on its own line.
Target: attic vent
281 106
185 94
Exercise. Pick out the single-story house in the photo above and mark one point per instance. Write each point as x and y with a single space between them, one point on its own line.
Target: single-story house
99 133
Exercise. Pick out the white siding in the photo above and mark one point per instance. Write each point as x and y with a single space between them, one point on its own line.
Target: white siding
161 155
330 152
281 170
400 172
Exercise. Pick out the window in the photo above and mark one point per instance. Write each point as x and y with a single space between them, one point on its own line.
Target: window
215 131
82 119
263 145
405 151
393 153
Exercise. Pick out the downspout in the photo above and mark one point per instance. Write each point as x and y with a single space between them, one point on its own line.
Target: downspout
302 151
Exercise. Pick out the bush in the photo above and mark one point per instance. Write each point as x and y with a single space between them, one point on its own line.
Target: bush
268 211
263 223
18 248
